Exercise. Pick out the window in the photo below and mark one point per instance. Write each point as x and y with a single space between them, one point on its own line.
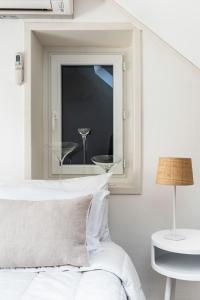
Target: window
86 109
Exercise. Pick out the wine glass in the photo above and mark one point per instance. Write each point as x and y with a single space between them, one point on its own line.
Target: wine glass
62 150
106 162
84 133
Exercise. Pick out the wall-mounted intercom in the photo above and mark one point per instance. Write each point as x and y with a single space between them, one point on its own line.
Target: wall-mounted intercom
19 68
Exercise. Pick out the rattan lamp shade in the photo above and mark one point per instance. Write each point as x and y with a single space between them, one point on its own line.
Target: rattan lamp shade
174 171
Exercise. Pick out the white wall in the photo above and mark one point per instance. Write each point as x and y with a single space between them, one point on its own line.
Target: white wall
176 22
11 102
170 127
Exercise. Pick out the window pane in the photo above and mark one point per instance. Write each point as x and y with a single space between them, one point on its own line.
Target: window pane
87 103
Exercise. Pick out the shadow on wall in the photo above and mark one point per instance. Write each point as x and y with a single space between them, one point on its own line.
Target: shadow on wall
80 8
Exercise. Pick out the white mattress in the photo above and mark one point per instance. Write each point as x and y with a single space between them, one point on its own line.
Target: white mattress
111 276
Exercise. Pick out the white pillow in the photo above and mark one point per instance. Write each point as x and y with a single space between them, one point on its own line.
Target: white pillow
43 233
97 225
94 183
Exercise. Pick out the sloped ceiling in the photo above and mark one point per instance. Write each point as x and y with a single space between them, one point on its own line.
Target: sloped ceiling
175 21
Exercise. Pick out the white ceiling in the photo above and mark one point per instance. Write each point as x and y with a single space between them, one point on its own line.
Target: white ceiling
176 21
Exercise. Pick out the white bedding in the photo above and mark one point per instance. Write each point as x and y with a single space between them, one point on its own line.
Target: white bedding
111 276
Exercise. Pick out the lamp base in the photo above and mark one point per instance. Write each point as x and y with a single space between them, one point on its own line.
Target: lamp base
174 237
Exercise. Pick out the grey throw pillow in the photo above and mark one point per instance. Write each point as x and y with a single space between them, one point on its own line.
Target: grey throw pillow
43 233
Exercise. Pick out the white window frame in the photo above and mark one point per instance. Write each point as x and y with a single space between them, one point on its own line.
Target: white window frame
56 61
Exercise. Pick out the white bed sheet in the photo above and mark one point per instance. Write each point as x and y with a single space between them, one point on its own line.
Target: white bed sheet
111 276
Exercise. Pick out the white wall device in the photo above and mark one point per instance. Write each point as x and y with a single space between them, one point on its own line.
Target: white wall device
36 8
19 68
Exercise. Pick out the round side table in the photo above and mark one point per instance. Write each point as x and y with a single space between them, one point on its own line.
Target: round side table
176 259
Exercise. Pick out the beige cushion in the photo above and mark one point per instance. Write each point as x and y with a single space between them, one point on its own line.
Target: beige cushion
43 233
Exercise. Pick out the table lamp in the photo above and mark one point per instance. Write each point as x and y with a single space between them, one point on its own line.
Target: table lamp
176 172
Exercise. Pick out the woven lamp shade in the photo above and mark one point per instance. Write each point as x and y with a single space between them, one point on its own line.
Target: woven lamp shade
174 171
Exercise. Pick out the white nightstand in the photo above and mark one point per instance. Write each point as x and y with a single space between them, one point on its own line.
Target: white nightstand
176 259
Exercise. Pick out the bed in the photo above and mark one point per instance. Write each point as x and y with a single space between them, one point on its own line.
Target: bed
110 274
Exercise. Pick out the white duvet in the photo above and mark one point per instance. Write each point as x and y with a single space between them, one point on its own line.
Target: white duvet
111 276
